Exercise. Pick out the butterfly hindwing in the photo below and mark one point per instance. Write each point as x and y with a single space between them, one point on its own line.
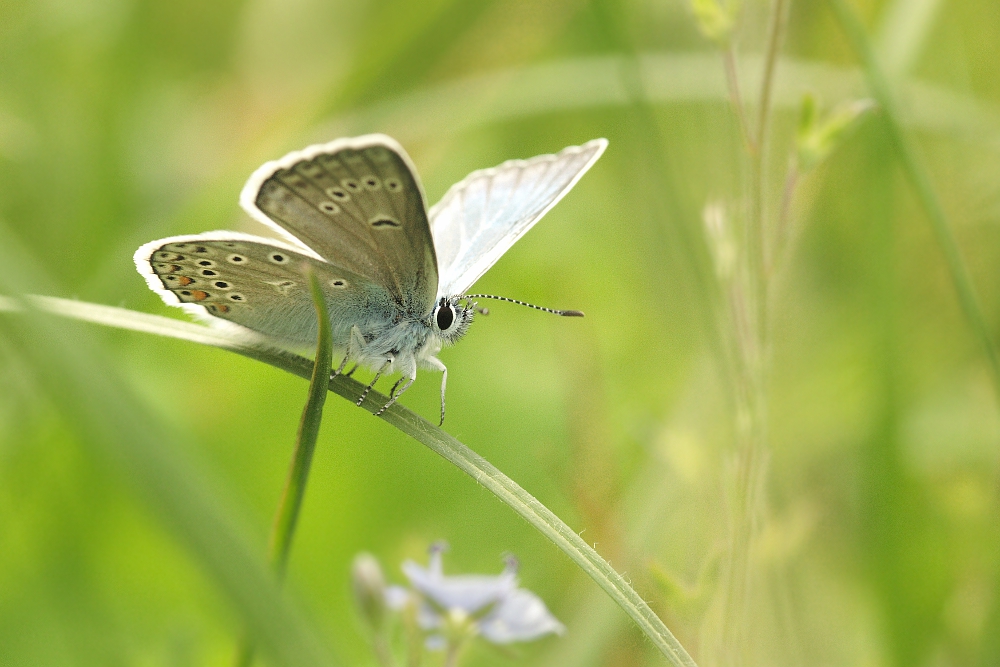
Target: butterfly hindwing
358 204
481 217
258 284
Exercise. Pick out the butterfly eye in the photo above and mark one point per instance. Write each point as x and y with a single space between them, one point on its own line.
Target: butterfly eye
445 317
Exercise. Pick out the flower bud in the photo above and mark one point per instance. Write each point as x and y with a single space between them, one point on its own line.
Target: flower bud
818 136
369 589
716 19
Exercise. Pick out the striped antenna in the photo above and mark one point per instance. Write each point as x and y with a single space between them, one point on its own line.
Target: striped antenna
564 313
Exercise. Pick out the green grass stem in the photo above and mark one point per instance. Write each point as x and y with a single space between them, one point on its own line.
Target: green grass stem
920 180
287 515
312 415
421 430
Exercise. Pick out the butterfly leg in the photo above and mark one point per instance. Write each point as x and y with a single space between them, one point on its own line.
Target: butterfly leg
436 364
340 368
393 396
371 384
351 372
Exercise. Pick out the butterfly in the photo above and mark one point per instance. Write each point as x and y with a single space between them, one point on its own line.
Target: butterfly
394 274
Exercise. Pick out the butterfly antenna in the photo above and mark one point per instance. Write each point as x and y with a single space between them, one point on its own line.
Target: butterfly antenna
564 313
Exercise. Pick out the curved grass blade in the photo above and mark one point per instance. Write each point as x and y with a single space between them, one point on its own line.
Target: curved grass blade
466 460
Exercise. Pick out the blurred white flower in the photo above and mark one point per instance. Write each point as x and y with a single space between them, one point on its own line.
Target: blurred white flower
492 607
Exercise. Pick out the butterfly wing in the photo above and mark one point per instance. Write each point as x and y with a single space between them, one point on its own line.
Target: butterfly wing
357 203
259 284
481 217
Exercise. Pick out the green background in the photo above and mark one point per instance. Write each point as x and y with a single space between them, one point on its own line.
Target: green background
879 543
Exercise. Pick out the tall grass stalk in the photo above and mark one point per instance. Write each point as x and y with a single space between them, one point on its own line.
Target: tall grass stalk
920 179
746 294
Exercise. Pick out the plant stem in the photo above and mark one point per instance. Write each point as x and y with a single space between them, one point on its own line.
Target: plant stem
736 98
920 180
748 306
775 31
757 233
287 515
382 652
781 228
418 428
451 657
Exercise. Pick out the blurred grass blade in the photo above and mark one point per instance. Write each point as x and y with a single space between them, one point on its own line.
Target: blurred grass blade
80 378
458 105
287 516
903 33
420 430
920 179
305 445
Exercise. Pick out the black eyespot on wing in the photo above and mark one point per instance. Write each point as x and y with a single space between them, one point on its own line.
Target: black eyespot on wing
445 317
339 194
208 272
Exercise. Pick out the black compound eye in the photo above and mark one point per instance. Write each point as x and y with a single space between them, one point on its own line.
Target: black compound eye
445 317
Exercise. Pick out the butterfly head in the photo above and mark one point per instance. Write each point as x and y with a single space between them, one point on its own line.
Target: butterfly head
451 319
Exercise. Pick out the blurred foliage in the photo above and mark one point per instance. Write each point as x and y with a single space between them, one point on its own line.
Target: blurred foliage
123 121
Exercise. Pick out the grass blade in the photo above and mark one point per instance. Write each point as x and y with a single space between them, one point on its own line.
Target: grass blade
121 432
287 516
421 430
920 180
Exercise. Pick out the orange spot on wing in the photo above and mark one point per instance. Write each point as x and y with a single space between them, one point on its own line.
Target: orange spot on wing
184 280
198 295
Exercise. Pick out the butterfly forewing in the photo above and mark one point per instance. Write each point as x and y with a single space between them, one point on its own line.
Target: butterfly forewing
480 218
262 286
357 204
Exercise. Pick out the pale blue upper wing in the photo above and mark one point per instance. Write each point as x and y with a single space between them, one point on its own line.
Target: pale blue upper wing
358 204
479 218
